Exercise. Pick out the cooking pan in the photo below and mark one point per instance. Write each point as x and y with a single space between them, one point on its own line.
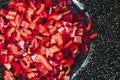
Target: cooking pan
102 46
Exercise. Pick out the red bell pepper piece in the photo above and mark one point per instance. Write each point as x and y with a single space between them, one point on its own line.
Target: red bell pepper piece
25 24
9 32
57 38
48 2
28 16
68 43
93 35
8 75
41 50
88 28
68 69
84 48
11 14
58 56
16 68
40 66
35 78
3 12
73 31
32 75
16 35
3 59
2 39
21 7
54 63
78 39
43 60
55 16
79 31
54 49
40 28
41 9
25 62
70 60
12 49
24 76
1 46
18 20
31 4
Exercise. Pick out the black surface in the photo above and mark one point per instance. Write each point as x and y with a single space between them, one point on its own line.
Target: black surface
105 61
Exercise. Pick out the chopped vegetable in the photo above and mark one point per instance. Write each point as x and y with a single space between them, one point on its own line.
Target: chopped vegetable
39 39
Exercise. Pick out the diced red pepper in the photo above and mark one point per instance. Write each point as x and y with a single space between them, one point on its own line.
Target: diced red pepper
31 4
48 2
25 24
54 62
93 35
2 39
84 48
24 76
78 39
41 9
58 56
32 75
3 12
32 25
41 28
28 16
88 28
11 14
40 66
41 50
54 49
35 78
8 75
18 20
57 38
21 6
25 62
1 46
16 35
79 31
12 49
44 61
70 61
16 68
55 16
3 59
9 32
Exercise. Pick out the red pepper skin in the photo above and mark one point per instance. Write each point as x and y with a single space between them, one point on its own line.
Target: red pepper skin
17 69
43 60
89 27
48 2
41 9
35 78
84 48
70 60
1 46
58 56
54 62
24 76
3 59
55 16
25 62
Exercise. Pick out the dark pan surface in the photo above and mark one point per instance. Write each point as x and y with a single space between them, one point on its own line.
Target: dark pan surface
105 60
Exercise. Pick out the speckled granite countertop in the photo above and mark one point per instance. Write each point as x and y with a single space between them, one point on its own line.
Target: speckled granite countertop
105 61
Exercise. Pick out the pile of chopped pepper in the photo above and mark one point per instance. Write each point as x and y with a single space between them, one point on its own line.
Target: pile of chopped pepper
39 39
